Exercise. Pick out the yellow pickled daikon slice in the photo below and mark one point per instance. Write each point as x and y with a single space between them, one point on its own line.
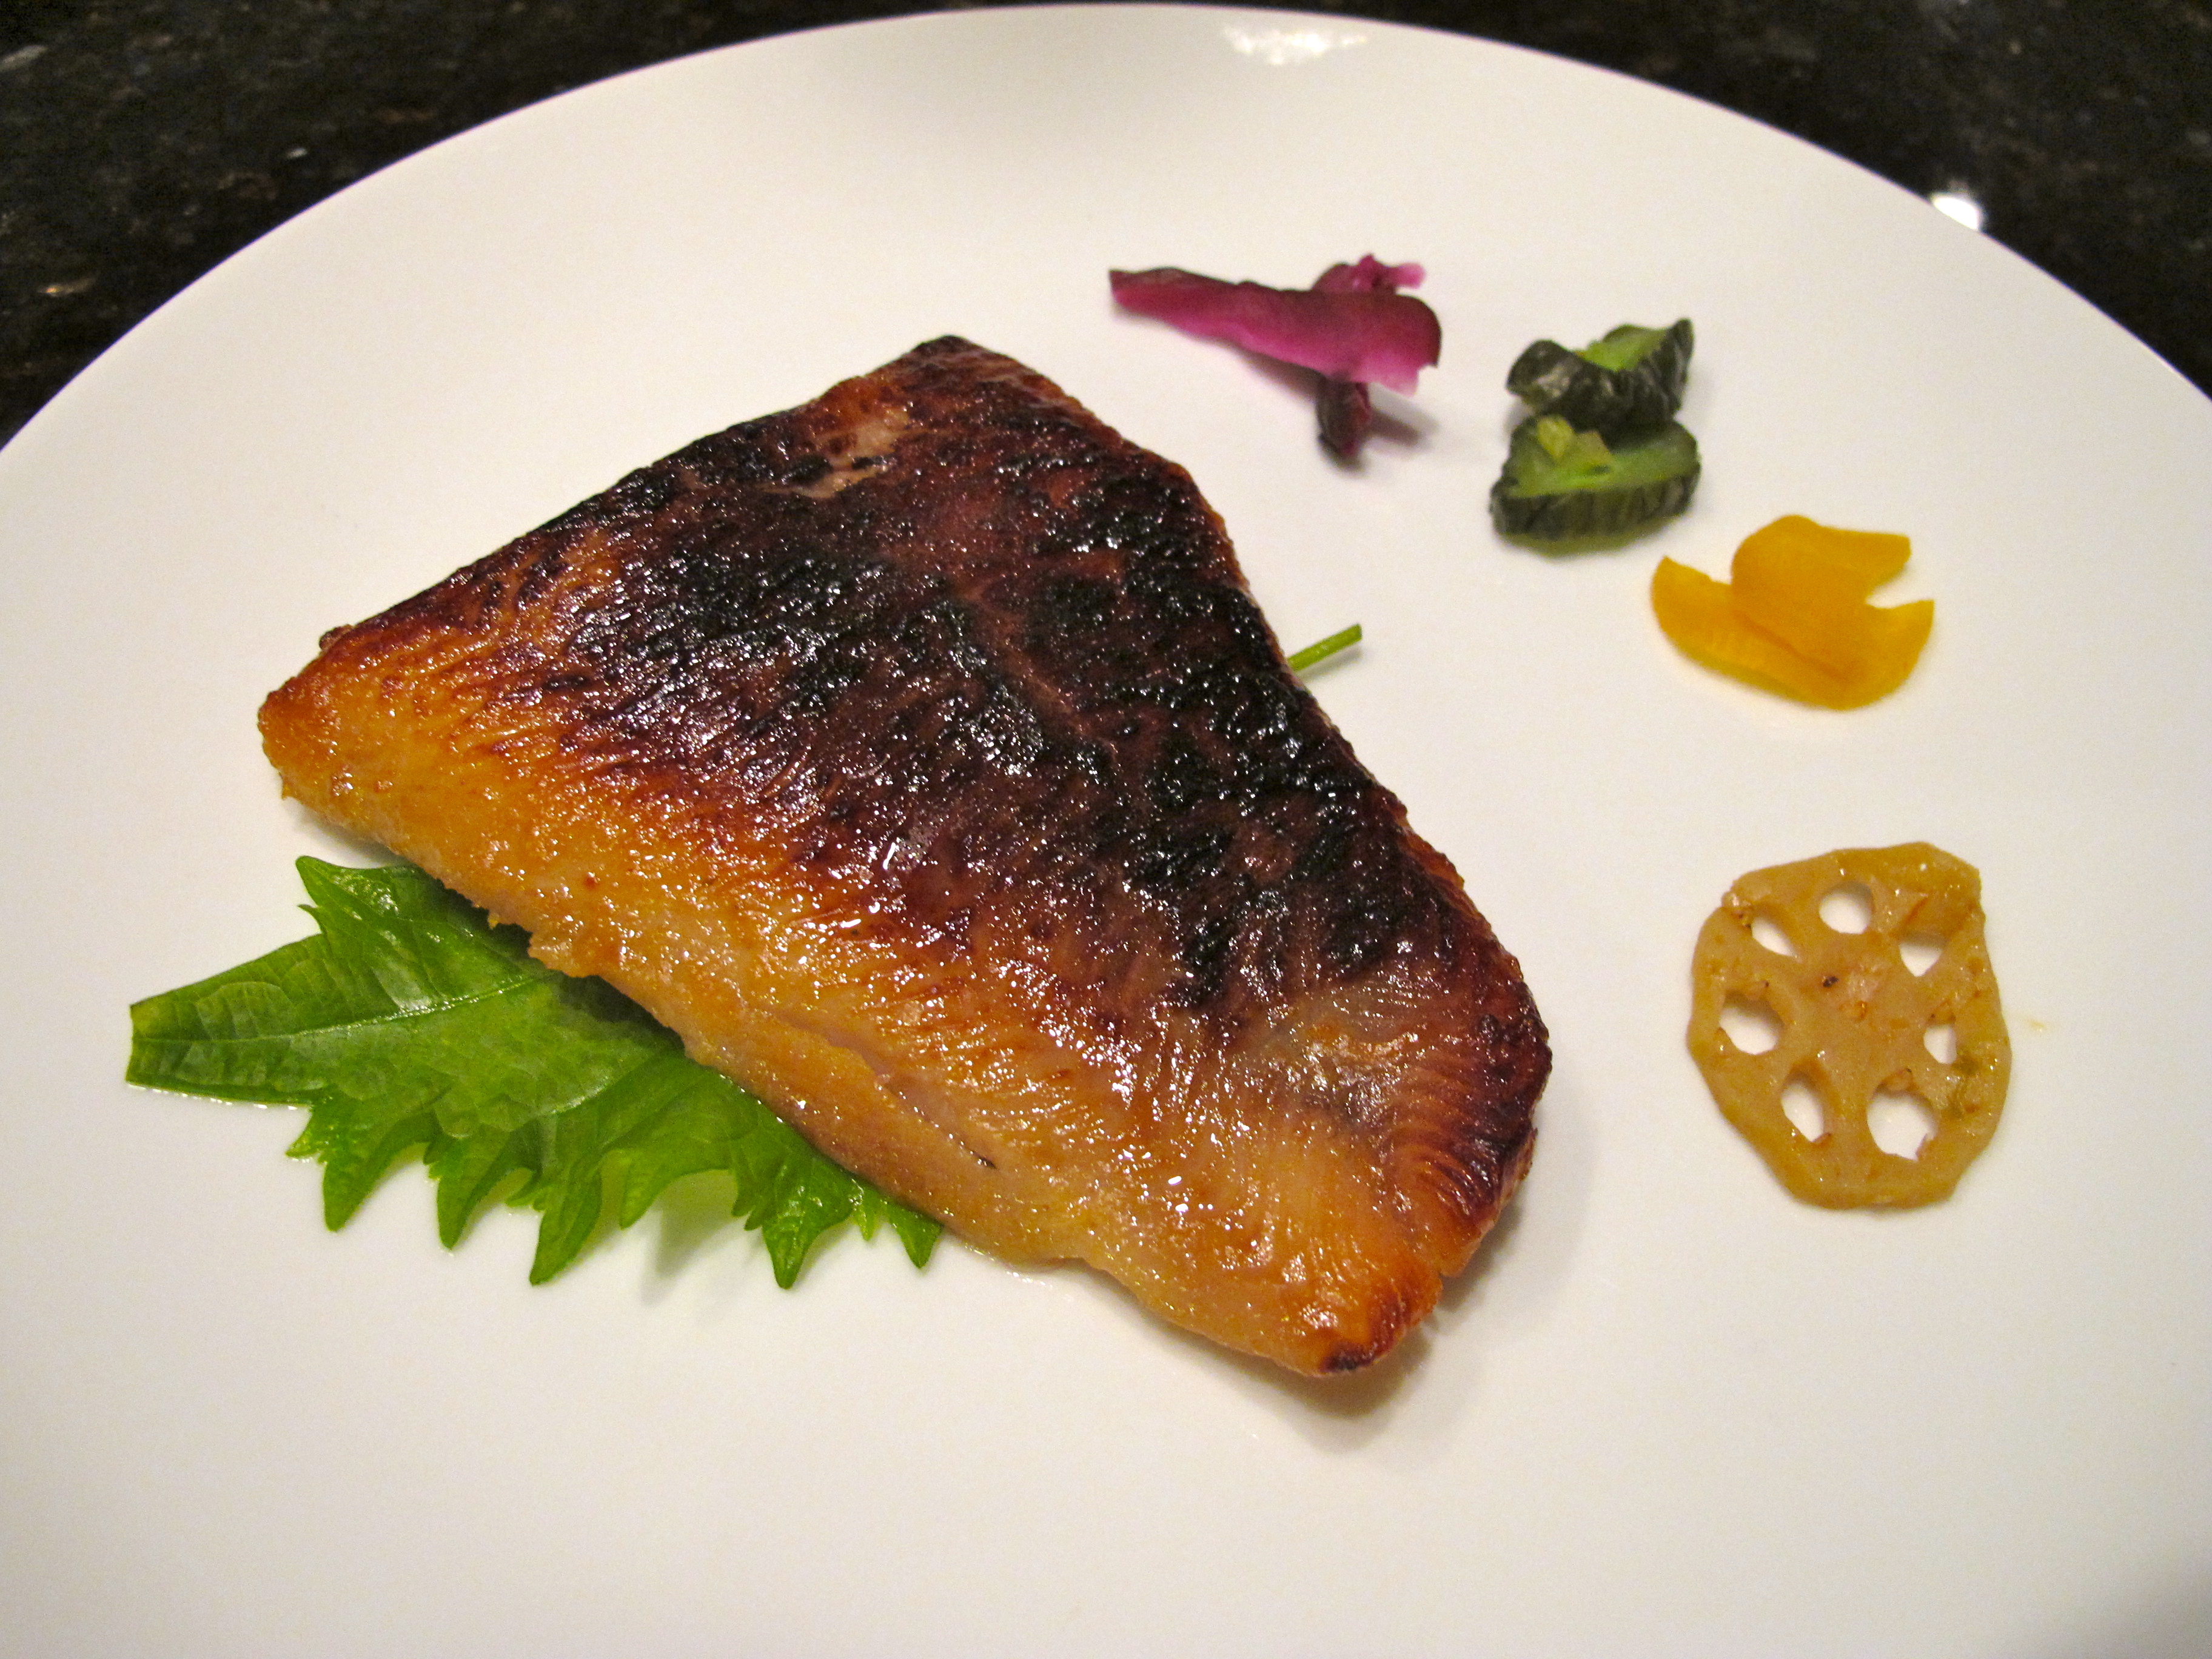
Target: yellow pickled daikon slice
1794 619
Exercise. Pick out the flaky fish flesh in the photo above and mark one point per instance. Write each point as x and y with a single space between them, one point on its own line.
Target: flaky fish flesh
919 756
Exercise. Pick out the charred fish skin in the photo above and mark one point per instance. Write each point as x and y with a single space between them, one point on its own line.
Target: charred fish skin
920 756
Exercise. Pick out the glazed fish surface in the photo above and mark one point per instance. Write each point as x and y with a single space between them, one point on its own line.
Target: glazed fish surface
919 756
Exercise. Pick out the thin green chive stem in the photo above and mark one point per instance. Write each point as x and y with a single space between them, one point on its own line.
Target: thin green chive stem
1302 660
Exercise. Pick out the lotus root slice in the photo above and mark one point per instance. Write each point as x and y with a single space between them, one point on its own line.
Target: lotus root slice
1854 1022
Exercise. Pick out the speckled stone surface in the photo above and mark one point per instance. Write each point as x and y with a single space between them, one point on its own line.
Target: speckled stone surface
142 141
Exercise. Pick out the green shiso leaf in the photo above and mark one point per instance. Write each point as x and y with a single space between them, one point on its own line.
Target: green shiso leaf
409 1021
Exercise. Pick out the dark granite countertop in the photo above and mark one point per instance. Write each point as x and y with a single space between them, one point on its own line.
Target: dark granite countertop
143 140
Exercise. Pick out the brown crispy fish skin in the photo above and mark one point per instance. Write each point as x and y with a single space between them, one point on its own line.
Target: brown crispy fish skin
919 756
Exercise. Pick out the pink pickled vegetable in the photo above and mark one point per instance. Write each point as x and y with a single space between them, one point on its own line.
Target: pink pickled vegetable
1370 275
1346 411
1351 326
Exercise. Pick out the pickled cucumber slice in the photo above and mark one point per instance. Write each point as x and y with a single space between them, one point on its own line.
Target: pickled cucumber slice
1633 377
1561 484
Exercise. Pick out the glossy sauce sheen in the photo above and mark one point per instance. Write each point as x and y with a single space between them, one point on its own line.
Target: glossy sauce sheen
919 756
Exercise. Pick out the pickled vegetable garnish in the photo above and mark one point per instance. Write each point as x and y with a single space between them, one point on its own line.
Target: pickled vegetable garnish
1633 377
1793 618
1854 1029
1351 326
1600 456
1346 409
1356 328
1563 485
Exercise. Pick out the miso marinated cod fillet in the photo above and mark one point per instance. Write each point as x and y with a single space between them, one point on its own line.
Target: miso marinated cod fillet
919 756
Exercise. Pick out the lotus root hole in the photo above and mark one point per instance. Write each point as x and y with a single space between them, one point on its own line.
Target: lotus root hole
1768 932
1920 952
1750 1024
1848 909
1901 1123
1942 1043
1802 1105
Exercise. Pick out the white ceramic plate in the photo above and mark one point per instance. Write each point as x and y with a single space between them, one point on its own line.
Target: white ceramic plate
1671 1412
